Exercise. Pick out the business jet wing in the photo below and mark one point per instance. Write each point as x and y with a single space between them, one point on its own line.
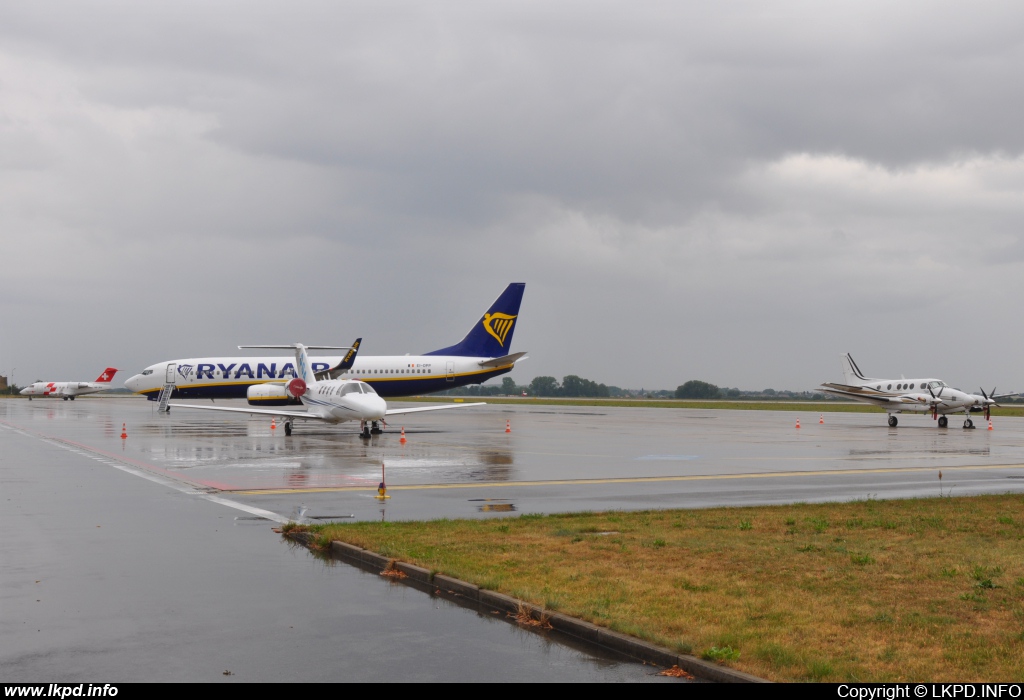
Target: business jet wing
253 411
400 411
867 395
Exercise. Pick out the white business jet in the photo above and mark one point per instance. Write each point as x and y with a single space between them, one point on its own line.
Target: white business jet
928 395
69 390
328 401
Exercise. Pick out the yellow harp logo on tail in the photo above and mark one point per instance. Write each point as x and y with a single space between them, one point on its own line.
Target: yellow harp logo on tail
499 326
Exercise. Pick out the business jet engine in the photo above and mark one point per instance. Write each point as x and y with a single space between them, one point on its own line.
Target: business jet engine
274 394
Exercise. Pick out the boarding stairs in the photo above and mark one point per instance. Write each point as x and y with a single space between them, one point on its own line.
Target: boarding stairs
162 405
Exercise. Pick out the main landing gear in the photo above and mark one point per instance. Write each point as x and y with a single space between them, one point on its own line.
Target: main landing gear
366 430
943 421
968 424
893 422
287 427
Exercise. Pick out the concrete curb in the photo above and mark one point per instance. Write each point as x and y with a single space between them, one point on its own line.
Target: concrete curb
580 629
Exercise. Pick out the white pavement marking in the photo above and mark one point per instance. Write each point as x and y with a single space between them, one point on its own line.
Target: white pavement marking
163 481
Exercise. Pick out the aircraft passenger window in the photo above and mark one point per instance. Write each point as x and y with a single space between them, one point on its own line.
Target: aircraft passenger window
911 386
888 386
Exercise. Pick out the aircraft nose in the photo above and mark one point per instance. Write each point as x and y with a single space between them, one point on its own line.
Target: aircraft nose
132 382
378 405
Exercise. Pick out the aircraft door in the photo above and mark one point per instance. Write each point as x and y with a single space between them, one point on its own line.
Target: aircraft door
450 371
170 377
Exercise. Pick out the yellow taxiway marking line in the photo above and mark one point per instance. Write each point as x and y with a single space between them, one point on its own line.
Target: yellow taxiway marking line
624 480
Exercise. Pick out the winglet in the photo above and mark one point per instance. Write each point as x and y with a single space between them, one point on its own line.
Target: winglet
350 356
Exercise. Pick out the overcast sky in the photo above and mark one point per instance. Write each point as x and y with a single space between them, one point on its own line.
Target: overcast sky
730 191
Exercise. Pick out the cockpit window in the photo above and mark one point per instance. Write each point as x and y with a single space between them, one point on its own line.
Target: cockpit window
367 389
146 372
350 388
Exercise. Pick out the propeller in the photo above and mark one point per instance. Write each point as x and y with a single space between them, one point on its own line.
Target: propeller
936 401
989 401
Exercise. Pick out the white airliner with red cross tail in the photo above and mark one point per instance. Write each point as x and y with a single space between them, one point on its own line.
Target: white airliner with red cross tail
69 390
327 401
484 353
927 395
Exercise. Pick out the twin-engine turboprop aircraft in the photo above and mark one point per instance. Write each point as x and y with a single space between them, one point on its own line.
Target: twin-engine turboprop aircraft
69 390
481 355
327 401
928 395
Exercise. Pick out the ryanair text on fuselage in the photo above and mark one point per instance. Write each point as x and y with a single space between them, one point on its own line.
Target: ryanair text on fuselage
481 355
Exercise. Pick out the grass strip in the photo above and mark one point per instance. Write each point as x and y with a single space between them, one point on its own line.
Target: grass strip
923 589
803 406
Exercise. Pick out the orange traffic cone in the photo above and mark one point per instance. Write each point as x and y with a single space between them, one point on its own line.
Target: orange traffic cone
798 424
821 419
124 432
990 424
273 424
402 440
508 426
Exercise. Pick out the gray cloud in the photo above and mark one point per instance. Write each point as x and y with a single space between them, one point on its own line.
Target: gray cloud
735 193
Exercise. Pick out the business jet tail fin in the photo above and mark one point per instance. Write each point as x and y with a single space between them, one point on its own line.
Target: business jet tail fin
303 368
851 372
107 375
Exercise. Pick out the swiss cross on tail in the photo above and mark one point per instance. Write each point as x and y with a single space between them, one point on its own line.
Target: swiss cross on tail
108 375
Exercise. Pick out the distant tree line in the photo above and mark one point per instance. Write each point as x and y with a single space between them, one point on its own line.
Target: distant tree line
571 386
697 389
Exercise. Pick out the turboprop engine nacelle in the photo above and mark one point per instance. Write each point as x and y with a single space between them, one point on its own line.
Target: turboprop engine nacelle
270 395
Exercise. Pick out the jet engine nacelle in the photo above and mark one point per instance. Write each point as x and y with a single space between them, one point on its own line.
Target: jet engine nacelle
270 395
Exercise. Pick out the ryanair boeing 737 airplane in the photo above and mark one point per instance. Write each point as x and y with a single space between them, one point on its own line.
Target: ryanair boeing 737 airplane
482 354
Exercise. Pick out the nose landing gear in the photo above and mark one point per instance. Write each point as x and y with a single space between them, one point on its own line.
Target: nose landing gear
893 422
287 427
968 424
943 421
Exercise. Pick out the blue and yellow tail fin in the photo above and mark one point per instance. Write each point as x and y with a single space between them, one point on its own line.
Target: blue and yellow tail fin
491 336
